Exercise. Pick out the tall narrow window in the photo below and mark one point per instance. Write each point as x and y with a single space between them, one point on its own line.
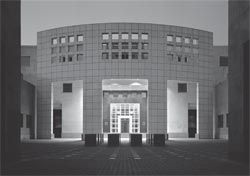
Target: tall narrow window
195 41
220 121
70 58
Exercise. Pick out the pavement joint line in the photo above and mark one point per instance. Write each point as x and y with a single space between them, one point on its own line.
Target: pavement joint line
134 154
114 154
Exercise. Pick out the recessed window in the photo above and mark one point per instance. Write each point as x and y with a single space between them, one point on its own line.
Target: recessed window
125 36
227 116
70 58
178 48
79 38
105 55
223 61
115 45
62 59
169 47
54 41
124 45
169 38
53 59
79 57
144 36
62 49
105 46
105 36
135 55
195 41
179 58
71 39
178 39
28 121
182 87
144 55
134 45
67 87
115 55
25 61
79 47
134 36
186 49
124 55
115 36
62 39
220 121
144 46
187 40
71 48
186 59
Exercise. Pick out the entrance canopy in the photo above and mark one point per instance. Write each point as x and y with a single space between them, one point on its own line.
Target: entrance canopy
125 84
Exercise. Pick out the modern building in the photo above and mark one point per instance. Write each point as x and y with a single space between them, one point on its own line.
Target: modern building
128 78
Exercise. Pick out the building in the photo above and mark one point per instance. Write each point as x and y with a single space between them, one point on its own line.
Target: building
128 78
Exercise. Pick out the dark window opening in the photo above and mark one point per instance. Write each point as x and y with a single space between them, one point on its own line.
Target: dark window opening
28 121
220 121
105 55
21 121
223 61
134 45
135 56
115 55
125 55
25 61
144 55
182 87
70 58
67 87
124 45
115 45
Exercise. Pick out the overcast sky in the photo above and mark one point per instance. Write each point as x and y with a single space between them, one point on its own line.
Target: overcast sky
210 15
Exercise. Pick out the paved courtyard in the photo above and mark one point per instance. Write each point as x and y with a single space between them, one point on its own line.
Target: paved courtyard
188 157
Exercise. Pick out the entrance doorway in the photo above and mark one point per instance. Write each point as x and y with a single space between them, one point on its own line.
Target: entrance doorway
57 123
124 125
191 123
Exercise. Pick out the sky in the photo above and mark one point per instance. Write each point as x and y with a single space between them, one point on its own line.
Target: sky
209 15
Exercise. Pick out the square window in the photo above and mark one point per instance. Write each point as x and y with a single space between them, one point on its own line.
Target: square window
223 61
182 87
195 41
134 36
178 39
79 38
80 47
62 49
115 36
178 48
115 55
105 55
220 121
71 39
169 47
115 45
144 55
144 46
54 41
62 40
187 40
124 55
71 48
70 58
79 57
144 36
169 38
105 46
105 36
124 45
134 45
67 87
135 55
125 36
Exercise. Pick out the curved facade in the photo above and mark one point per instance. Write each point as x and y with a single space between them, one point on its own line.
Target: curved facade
153 65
